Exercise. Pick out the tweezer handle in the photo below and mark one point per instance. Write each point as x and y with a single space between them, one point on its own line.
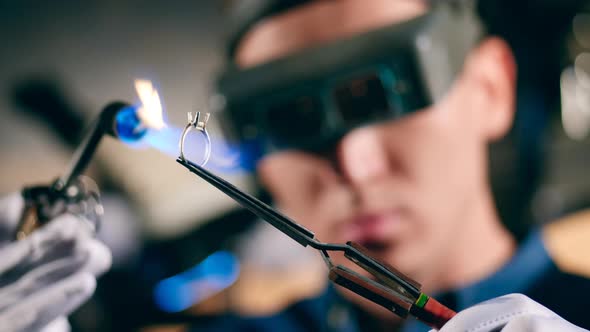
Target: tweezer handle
370 290
433 313
388 273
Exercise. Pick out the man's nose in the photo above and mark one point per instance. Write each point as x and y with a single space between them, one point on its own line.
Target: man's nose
361 156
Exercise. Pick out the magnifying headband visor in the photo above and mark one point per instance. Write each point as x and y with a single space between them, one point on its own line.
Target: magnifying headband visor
310 99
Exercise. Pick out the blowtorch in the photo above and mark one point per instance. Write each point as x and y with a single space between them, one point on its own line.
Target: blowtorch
72 192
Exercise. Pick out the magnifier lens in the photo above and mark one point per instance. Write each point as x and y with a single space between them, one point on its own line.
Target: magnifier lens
295 119
362 99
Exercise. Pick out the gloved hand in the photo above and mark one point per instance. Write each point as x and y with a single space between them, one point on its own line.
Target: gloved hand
47 275
509 313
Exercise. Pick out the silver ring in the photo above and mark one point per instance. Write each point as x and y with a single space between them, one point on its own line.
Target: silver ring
200 126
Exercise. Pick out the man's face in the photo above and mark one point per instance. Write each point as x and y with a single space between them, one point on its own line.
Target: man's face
404 189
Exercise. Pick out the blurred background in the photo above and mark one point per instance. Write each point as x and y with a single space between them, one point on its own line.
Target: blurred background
62 61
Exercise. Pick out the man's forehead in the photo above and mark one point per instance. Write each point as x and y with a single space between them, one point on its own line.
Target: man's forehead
318 22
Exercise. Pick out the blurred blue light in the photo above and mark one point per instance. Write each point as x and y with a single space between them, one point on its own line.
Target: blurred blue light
215 273
128 125
250 153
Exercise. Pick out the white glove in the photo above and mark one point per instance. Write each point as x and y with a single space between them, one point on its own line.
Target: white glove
509 313
47 275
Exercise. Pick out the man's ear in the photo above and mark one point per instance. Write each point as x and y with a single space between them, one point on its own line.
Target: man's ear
492 70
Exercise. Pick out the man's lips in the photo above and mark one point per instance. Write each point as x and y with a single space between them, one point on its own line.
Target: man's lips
376 230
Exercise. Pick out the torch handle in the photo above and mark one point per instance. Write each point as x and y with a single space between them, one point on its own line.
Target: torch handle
45 202
81 157
103 125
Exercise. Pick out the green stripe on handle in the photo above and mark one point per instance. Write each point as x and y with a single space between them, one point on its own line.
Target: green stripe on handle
421 301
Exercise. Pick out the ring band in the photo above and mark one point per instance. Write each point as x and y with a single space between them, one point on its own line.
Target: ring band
200 126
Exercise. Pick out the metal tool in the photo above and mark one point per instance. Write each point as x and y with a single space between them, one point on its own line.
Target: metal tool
79 195
43 203
390 289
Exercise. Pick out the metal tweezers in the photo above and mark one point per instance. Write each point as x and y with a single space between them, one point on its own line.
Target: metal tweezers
390 288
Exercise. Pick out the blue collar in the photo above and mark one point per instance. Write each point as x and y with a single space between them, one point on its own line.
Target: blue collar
526 266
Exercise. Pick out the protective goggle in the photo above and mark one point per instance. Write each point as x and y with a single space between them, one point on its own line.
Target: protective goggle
309 100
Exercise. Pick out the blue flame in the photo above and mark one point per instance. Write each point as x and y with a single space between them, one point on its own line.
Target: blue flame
217 272
225 158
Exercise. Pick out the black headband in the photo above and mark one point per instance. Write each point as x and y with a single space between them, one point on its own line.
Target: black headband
244 14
